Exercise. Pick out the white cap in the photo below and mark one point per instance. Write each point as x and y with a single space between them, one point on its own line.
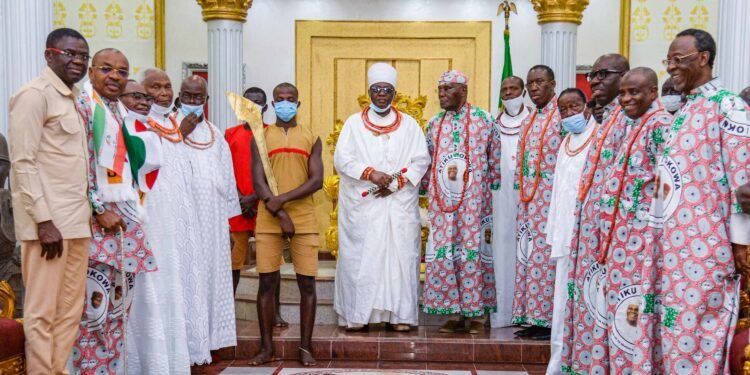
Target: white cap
381 73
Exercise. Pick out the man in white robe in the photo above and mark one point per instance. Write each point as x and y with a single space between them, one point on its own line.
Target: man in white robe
377 275
206 258
505 200
157 328
571 157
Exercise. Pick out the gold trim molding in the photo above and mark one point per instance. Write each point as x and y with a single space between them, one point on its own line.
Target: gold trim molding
13 366
233 10
560 10
625 28
160 54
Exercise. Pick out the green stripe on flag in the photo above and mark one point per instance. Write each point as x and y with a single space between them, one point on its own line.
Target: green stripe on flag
507 65
136 151
99 125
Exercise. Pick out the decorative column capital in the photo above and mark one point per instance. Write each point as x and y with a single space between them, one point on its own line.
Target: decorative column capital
233 10
560 10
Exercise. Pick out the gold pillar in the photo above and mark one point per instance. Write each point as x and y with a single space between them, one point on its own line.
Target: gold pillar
559 10
159 34
234 10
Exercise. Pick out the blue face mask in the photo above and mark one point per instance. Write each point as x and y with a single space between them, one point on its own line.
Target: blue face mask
285 110
575 124
188 109
378 109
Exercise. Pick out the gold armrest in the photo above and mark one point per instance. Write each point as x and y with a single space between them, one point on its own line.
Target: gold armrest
7 300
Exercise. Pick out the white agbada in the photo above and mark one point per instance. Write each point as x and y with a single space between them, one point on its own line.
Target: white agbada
377 275
505 201
559 229
206 258
157 334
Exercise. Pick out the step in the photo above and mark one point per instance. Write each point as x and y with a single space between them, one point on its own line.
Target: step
246 307
424 344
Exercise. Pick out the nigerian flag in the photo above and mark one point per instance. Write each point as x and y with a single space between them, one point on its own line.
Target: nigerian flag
507 64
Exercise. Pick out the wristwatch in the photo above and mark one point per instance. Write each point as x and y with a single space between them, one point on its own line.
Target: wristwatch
98 210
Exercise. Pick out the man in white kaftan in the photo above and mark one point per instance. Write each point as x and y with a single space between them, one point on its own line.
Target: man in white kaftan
157 329
505 200
377 275
206 258
570 162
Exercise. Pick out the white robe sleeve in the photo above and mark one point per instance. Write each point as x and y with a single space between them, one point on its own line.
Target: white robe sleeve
420 157
739 229
345 158
228 182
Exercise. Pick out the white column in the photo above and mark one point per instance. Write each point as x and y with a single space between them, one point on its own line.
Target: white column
25 25
559 52
733 48
224 69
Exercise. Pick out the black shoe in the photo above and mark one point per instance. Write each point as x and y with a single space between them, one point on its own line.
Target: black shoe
542 334
526 332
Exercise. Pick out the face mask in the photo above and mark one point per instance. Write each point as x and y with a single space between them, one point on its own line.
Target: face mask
575 124
285 110
138 116
513 106
378 109
188 109
672 103
157 110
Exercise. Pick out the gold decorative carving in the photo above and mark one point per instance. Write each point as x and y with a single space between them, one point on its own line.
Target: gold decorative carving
699 16
113 15
87 17
144 17
235 10
640 21
414 107
560 10
13 366
672 17
60 14
7 300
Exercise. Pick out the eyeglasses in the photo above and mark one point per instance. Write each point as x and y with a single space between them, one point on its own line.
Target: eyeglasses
197 98
107 70
537 82
139 97
601 74
73 55
677 60
381 90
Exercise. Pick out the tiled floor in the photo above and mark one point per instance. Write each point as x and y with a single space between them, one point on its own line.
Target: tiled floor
237 367
423 348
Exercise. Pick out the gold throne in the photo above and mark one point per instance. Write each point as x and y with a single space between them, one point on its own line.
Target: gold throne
414 107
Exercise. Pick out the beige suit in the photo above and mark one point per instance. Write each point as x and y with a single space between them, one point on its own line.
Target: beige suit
48 147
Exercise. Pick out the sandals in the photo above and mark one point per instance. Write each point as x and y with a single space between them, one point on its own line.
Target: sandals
475 327
306 362
452 326
401 327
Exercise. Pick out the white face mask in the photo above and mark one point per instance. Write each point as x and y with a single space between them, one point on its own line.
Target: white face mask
672 103
159 111
513 106
142 118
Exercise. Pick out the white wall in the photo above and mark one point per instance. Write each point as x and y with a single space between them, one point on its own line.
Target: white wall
269 31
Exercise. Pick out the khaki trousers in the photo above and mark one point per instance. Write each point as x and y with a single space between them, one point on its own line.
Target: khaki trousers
53 304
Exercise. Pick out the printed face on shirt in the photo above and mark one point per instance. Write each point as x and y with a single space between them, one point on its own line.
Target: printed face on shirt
118 292
488 236
70 64
638 89
633 314
453 172
109 73
96 299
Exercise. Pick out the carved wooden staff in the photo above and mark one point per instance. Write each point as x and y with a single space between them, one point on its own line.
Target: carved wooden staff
250 113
